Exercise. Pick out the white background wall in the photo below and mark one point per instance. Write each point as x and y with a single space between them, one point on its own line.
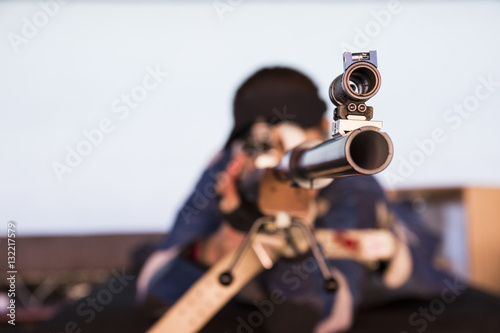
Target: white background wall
67 75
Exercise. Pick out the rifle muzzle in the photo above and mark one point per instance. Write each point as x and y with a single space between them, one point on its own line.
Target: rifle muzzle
364 151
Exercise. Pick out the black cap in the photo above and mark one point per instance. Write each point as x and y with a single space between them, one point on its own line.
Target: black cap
274 95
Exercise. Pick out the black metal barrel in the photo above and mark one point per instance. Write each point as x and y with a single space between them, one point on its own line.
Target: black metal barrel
364 151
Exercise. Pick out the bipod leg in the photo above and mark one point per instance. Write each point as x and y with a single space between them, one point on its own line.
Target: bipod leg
226 277
330 283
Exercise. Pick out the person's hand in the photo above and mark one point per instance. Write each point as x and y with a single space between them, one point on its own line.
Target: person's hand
226 239
227 183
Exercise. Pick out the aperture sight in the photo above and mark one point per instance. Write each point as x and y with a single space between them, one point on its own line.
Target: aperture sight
352 89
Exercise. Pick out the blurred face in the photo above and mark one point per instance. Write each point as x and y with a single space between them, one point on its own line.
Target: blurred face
266 143
251 179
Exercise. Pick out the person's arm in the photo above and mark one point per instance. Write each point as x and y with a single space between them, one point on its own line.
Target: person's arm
352 205
198 232
197 219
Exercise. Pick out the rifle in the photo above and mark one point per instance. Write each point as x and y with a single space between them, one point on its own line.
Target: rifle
357 147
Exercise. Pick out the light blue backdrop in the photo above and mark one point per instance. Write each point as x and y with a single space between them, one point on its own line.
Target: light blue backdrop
142 93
